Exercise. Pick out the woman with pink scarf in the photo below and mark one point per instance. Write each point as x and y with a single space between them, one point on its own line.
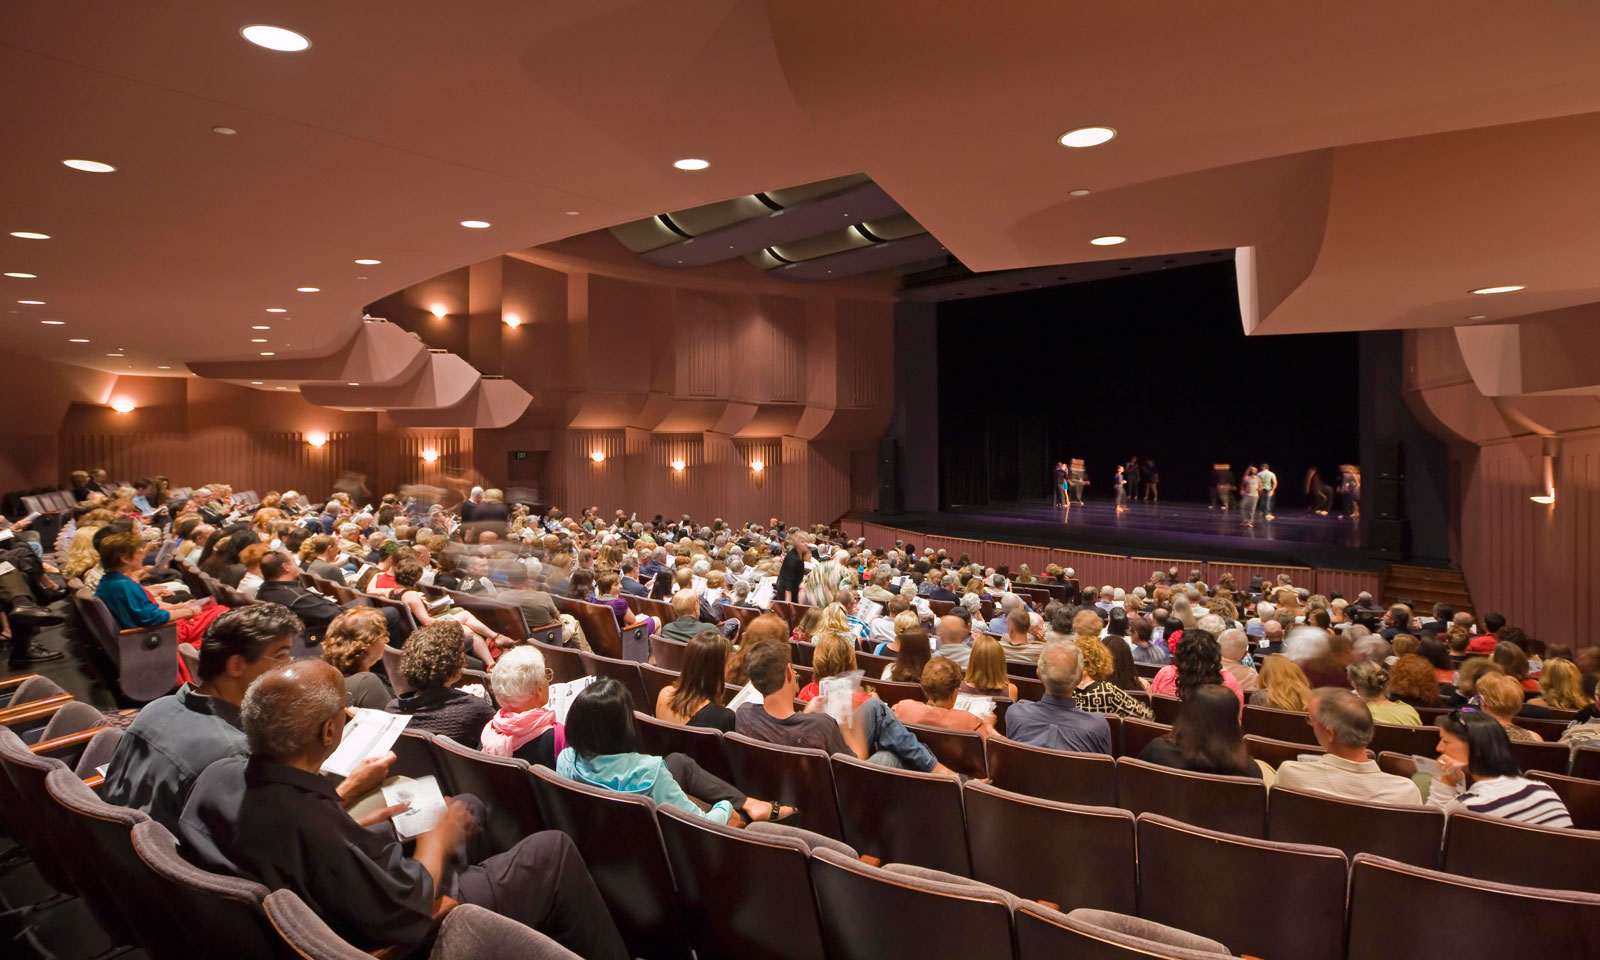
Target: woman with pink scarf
524 727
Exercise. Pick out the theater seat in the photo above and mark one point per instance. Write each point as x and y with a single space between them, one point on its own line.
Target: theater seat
701 744
1035 849
1135 734
469 932
1581 796
144 659
625 672
566 663
1046 934
551 635
1289 725
869 913
668 654
1086 778
901 816
1505 851
960 750
22 792
1236 805
391 668
798 776
1407 833
502 783
220 915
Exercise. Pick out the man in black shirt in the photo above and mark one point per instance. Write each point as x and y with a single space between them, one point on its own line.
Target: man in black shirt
793 569
272 818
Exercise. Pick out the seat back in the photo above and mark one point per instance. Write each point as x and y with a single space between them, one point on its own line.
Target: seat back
303 932
22 796
1084 778
655 680
1275 752
869 913
798 776
635 642
960 750
1506 851
1586 763
34 688
773 912
221 915
1581 796
1029 847
1291 725
599 626
1045 934
415 757
1544 757
1136 735
790 612
892 693
143 658
872 665
1549 729
1213 883
703 745
1028 688
565 663
407 622
1404 832
550 634
623 851
1236 805
901 816
391 668
624 671
1399 738
502 783
1386 897
1166 708
668 654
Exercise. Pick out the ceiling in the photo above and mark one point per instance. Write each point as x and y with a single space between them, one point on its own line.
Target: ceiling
1371 162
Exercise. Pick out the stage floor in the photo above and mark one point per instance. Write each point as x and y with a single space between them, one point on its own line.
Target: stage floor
1163 528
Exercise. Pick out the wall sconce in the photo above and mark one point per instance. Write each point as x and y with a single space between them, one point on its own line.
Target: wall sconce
438 310
430 455
1551 448
599 456
316 438
678 465
122 405
757 465
512 320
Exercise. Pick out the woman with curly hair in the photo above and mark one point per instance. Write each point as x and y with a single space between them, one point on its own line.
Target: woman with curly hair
1095 692
431 663
353 643
1283 685
1196 663
1411 680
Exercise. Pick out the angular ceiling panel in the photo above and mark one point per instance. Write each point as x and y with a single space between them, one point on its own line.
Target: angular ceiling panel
380 354
493 403
444 381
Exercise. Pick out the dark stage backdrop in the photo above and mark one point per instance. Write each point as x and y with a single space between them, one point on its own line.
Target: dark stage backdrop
1155 365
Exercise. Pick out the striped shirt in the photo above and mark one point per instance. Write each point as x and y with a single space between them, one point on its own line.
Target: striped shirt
1514 798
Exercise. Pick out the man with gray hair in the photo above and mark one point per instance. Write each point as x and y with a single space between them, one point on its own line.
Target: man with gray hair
1008 603
1055 720
272 818
1342 724
1305 643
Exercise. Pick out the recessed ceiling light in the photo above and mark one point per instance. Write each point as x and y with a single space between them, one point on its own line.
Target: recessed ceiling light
267 353
1086 137
1478 316
475 224
23 276
255 383
1080 192
352 384
277 309
308 289
77 340
113 354
29 235
32 303
1108 241
225 131
369 261
691 163
280 388
261 326
89 166
1508 288
572 213
53 323
164 367
275 38
258 339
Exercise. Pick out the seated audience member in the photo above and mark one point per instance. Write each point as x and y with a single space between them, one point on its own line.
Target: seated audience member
525 726
1481 776
122 556
271 818
1235 646
997 623
602 751
1019 644
432 662
1055 720
538 608
322 558
1206 737
280 583
940 680
407 574
695 700
250 557
1473 668
986 670
1412 681
1096 693
912 654
1194 665
1145 651
884 630
835 654
1283 685
1561 686
1324 658
1371 682
353 645
176 737
956 641
608 593
686 606
1514 661
1501 697
876 735
1342 724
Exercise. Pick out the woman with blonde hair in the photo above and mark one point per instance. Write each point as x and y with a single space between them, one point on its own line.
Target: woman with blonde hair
835 654
1561 686
1501 696
835 619
1096 693
81 552
986 670
1182 618
1283 685
1371 682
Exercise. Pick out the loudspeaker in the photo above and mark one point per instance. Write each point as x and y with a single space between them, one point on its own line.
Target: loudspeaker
1388 499
888 475
1388 459
1388 537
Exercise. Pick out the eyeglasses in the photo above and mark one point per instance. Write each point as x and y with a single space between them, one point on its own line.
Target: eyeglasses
549 674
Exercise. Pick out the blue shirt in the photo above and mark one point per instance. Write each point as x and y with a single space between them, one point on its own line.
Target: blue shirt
130 606
1059 724
165 749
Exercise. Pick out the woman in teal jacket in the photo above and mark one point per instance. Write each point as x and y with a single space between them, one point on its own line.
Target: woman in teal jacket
602 751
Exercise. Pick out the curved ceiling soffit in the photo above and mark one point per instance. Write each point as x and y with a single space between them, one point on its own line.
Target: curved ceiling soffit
827 423
494 402
594 410
773 420
1549 353
379 353
735 417
443 381
684 415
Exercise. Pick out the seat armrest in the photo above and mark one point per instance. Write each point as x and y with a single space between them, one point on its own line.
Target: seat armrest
50 747
11 682
37 710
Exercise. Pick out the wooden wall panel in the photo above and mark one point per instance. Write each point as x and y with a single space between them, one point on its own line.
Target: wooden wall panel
586 483
783 321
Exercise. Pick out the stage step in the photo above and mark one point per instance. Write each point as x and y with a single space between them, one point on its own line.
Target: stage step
1426 586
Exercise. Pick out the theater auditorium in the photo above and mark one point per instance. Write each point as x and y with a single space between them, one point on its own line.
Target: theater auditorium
737 479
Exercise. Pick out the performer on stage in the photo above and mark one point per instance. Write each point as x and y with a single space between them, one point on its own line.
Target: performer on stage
1064 490
1269 489
1350 491
1058 485
1250 495
1077 479
1152 481
1222 486
1135 476
1321 494
1119 487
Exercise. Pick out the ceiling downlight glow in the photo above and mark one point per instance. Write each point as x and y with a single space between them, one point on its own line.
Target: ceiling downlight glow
368 261
22 276
52 323
1108 241
438 310
280 39
308 289
1086 137
475 224
89 166
29 235
1508 288
691 163
261 326
277 309
77 340
32 303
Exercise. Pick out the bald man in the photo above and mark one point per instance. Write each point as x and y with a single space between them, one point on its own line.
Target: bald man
271 817
955 640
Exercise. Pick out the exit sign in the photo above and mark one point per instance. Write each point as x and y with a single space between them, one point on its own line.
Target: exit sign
522 454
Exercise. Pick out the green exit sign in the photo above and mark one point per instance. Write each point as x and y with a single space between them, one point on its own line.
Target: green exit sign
522 454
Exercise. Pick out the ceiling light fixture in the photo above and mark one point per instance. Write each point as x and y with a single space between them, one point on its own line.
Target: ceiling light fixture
113 354
123 405
1108 241
258 339
280 388
89 166
430 455
275 38
261 326
255 383
1086 137
22 276
369 261
351 383
77 340
29 235
32 303
277 309
225 131
475 224
439 311
164 367
53 323
691 163
308 289
1479 316
268 353
1080 192
572 213
1508 288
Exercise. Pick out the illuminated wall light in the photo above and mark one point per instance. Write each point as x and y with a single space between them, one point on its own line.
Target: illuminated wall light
757 466
1552 446
599 456
678 465
512 320
438 310
430 455
122 405
316 438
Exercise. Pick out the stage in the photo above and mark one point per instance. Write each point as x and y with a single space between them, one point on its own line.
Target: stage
1165 528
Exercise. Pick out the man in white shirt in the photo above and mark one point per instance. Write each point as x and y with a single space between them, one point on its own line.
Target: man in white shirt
1342 725
1268 482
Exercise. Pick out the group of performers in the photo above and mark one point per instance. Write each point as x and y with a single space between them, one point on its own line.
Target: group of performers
1254 493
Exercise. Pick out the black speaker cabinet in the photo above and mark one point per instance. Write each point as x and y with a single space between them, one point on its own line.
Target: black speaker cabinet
1388 460
1388 537
1388 499
888 475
